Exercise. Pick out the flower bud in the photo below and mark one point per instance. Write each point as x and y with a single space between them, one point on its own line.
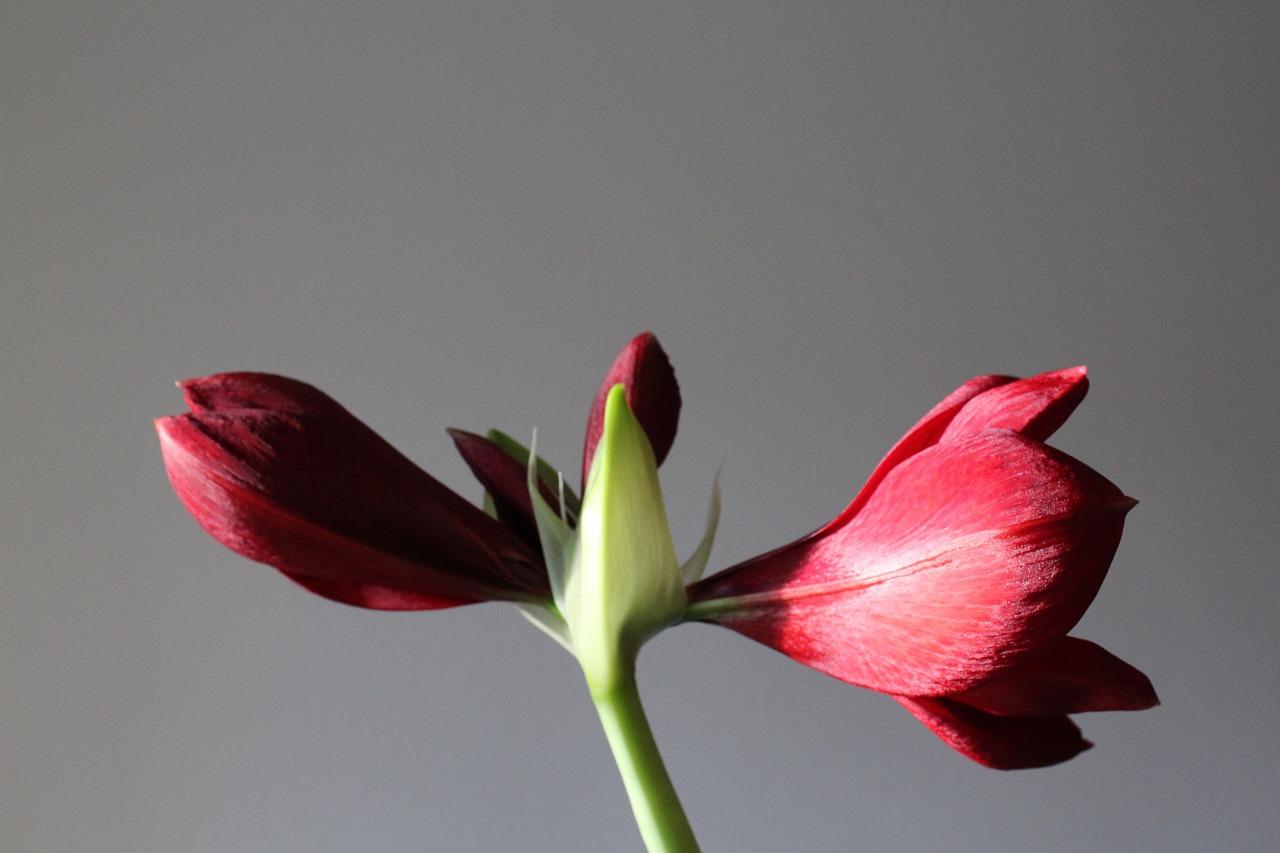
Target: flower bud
624 583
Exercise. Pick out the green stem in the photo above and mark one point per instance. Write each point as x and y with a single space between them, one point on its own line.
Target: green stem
657 809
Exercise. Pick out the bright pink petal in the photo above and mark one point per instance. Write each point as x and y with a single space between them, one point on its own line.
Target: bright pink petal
652 393
1002 743
1035 406
967 557
280 473
1064 677
925 433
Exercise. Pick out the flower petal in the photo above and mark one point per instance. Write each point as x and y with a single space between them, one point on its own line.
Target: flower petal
1002 743
546 472
234 392
925 433
1035 406
372 596
968 556
653 395
1064 677
278 472
505 479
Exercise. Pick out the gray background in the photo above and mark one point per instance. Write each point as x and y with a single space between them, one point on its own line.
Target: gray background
453 214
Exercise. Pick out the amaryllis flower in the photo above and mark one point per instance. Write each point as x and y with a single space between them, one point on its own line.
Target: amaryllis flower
280 473
949 583
951 580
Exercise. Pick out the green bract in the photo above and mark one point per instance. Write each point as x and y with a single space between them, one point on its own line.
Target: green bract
615 579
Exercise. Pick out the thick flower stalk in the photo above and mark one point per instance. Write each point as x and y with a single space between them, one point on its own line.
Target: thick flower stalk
949 583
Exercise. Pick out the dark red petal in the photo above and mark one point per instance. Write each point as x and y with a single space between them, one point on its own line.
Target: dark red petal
1067 676
1002 743
279 472
1035 406
506 480
652 393
268 392
969 555
372 596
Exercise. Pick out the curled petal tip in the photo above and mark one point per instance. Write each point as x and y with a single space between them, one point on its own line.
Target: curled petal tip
1142 695
1036 406
172 431
193 387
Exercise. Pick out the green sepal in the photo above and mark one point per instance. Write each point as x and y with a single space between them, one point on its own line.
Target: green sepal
547 619
557 538
697 562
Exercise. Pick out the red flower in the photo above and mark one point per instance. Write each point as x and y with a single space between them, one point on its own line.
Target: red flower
280 473
951 580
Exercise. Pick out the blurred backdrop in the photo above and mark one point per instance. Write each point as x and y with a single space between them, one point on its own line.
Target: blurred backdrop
453 214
